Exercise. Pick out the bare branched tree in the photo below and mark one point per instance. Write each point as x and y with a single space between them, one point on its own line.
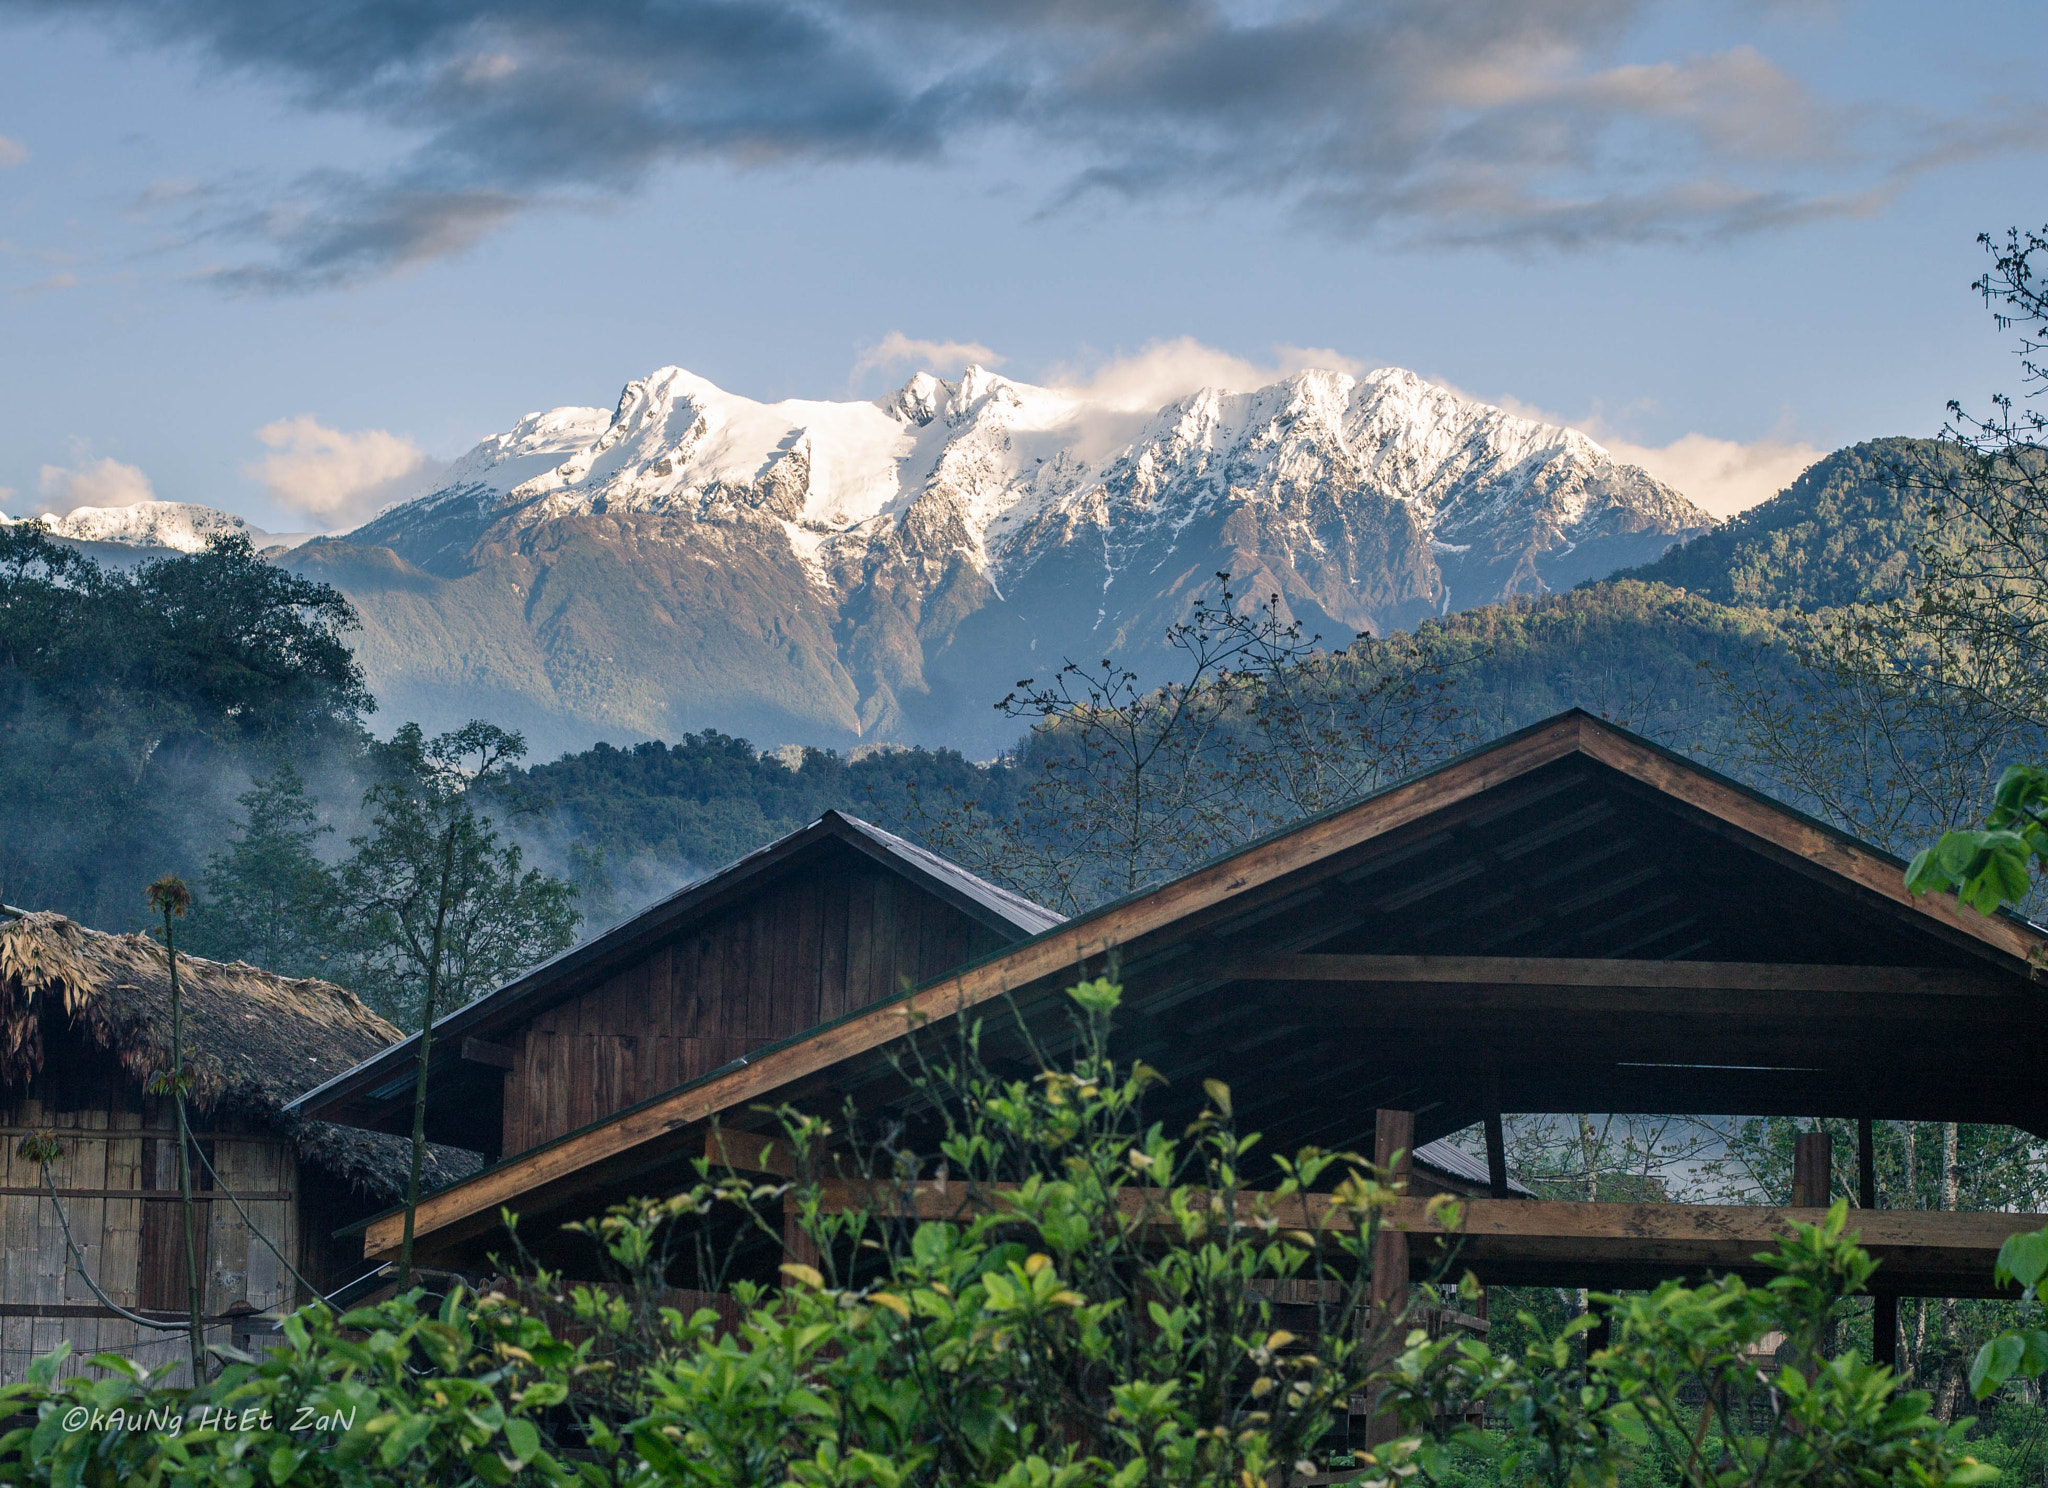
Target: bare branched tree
1128 785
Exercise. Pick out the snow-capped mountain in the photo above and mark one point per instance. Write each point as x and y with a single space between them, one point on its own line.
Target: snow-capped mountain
884 569
164 526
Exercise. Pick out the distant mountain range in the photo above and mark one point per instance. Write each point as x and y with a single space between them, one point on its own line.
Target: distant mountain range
118 533
882 571
835 573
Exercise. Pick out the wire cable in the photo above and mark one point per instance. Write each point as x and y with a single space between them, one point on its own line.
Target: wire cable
220 1187
78 1260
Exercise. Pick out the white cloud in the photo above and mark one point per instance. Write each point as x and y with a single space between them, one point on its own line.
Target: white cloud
104 482
335 477
1724 476
1720 476
1161 371
12 152
898 350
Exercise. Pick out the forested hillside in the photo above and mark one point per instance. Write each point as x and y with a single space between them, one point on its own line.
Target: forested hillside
1844 532
134 731
135 705
129 748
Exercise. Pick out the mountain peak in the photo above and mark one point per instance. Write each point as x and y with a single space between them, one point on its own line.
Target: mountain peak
859 569
180 526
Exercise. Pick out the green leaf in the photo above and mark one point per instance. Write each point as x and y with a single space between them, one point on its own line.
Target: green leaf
1995 1363
2024 1258
522 1438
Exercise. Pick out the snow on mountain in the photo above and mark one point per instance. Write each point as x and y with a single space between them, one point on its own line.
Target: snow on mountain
168 526
1001 457
180 526
818 570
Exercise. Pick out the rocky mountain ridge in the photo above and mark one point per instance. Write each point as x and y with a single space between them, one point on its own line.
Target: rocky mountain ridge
836 572
163 526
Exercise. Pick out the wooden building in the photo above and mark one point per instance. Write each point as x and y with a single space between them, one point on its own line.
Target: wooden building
1570 919
823 922
84 1027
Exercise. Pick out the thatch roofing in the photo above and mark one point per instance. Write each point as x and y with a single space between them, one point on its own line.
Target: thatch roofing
253 1041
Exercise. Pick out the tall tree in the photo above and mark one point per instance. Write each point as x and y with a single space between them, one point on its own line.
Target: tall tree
444 909
267 898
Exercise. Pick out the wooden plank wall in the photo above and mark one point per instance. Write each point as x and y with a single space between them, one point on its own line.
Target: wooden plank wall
101 1147
798 953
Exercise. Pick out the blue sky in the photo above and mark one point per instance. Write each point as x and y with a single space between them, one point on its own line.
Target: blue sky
282 259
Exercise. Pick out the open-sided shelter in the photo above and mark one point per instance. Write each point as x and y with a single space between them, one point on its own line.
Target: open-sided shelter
85 1032
1570 919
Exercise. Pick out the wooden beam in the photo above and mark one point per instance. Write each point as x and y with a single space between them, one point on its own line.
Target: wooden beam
1802 844
497 1056
1393 1153
1393 1150
1647 976
750 1152
1928 1252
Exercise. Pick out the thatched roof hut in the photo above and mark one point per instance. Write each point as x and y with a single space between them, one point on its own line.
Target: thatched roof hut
253 1041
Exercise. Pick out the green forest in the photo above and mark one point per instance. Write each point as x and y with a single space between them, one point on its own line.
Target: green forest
1865 646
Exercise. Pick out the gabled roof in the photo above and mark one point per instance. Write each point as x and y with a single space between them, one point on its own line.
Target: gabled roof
1564 848
384 1082
1004 909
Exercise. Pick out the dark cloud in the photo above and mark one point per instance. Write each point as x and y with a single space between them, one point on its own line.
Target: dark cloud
356 230
1476 121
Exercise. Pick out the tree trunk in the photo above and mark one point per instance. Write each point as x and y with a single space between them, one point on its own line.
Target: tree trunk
1950 1399
195 1297
419 1094
1911 1371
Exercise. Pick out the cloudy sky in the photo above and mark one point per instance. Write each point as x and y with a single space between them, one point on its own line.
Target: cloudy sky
285 259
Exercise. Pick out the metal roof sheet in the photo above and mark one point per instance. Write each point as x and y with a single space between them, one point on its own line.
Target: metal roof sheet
1459 1163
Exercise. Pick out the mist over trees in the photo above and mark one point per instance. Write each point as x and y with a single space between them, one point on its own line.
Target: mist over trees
136 706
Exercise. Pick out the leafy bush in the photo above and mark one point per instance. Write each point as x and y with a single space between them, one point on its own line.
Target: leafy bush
1029 1285
1687 1385
383 1395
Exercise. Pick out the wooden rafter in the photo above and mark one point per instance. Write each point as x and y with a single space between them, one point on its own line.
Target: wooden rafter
1252 882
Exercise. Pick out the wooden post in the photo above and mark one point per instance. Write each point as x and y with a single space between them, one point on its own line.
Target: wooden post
1496 1157
1884 1330
1601 1334
1812 1170
1393 1153
1866 1164
1393 1149
796 1242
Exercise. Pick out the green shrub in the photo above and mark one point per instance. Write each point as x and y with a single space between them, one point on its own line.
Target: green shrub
1038 1288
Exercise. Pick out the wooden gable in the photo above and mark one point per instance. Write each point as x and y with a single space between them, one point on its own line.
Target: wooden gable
811 928
834 935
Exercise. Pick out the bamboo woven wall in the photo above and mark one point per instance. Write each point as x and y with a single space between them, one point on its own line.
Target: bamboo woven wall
100 1178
